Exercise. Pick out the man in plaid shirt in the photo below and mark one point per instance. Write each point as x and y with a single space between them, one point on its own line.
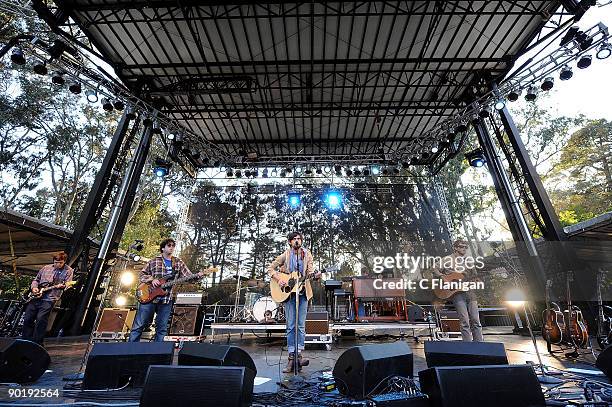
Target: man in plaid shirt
165 266
36 314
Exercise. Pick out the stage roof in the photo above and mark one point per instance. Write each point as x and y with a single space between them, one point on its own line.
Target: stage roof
329 80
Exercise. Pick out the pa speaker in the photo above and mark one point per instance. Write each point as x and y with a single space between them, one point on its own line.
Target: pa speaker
361 369
22 361
469 386
445 353
183 386
604 361
113 365
208 354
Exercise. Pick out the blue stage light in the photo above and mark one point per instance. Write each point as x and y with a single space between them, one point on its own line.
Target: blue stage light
375 170
294 199
333 199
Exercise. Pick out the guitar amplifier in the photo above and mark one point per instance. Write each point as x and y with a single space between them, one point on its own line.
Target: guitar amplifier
189 299
364 288
317 323
449 321
184 320
116 320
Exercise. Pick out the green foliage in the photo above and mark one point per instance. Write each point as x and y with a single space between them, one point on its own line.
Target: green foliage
151 224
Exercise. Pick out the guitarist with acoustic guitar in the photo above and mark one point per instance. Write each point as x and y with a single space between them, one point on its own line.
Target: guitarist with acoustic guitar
465 302
291 272
45 289
157 271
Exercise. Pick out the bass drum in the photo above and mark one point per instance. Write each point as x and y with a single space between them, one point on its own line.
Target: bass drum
262 305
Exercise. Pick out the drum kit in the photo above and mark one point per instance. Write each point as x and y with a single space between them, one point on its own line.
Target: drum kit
259 308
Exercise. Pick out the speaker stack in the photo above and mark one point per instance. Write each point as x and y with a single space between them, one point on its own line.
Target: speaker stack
604 361
22 361
446 353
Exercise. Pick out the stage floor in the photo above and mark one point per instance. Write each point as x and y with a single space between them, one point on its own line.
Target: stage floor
270 356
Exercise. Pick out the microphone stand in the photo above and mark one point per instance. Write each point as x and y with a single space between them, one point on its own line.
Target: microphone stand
295 381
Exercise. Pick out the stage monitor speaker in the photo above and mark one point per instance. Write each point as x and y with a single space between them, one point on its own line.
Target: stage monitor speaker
469 386
208 354
22 361
604 362
184 319
183 386
360 370
113 365
445 353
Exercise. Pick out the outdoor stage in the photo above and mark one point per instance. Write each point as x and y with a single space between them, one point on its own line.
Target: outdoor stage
270 355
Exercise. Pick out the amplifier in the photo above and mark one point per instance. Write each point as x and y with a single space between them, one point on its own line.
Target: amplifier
449 321
116 320
189 299
332 284
364 288
317 323
184 320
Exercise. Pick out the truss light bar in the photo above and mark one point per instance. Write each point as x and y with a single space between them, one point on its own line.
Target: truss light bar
548 83
17 56
531 94
584 61
604 51
40 68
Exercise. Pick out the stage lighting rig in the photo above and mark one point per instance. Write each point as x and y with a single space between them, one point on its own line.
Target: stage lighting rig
162 167
531 94
584 61
547 83
514 94
91 95
17 56
118 104
40 68
566 73
604 51
58 78
294 199
499 105
476 158
106 105
333 199
74 87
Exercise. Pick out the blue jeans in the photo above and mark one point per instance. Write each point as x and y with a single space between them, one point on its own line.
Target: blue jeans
467 308
144 317
290 316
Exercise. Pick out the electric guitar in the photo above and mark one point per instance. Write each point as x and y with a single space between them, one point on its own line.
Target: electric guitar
604 322
146 293
576 328
552 317
293 284
67 285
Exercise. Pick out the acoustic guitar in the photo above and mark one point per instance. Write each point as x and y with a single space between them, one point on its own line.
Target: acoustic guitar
552 317
146 293
293 284
67 285
576 328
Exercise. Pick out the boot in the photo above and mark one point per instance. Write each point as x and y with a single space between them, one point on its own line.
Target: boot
302 362
289 367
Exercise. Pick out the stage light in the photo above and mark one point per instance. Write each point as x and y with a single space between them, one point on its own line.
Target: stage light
566 73
531 94
484 113
603 51
548 83
120 300
499 105
584 61
254 173
514 95
58 78
319 171
127 278
162 167
294 199
283 173
17 56
461 127
106 105
40 68
434 148
118 104
584 40
405 165
515 298
229 173
170 136
375 170
476 158
238 174
274 172
265 173
91 95
357 172
348 172
396 170
308 170
135 257
138 245
385 171
333 200
338 169
366 172
74 87
327 169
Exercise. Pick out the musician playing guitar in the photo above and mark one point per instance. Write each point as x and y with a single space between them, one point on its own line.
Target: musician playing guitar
167 267
295 259
465 301
37 311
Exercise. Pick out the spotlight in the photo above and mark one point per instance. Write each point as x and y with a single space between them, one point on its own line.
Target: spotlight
500 104
17 56
283 173
366 172
484 113
584 40
162 167
566 73
333 200
515 298
74 87
338 169
548 83
265 173
294 199
229 173
462 127
385 171
434 148
357 172
91 95
405 165
319 171
118 104
476 158
308 170
604 51
127 278
120 300
348 172
514 95
584 61
106 105
40 68
531 94
375 170
135 257
396 170
58 78
170 136
238 173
